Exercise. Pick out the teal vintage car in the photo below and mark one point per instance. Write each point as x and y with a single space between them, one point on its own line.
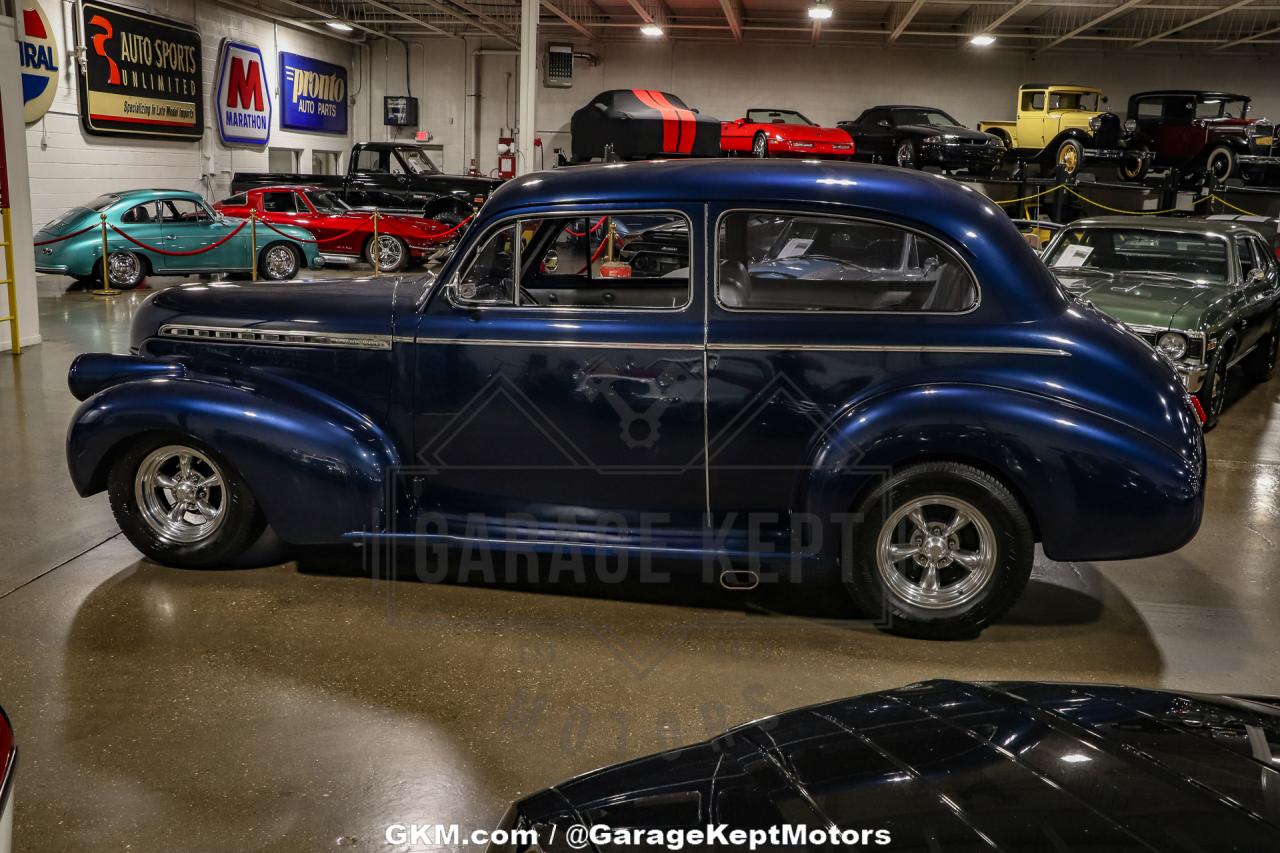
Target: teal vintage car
1204 293
174 232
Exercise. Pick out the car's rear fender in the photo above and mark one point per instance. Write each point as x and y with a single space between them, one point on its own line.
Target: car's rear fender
1094 488
317 467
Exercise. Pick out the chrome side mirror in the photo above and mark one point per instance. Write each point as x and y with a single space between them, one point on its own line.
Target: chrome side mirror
1256 275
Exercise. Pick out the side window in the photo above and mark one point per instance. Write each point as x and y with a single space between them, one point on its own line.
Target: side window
1248 263
488 278
1032 101
140 214
876 116
281 202
785 262
1266 257
1150 109
237 200
182 210
369 161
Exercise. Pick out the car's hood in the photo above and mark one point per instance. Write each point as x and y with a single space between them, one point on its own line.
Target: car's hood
944 130
953 766
1135 299
808 133
343 307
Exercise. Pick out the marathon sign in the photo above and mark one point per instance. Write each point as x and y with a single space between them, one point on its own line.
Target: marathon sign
241 99
313 95
141 75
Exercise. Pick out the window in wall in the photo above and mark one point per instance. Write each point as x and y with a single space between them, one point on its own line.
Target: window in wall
284 160
776 261
325 162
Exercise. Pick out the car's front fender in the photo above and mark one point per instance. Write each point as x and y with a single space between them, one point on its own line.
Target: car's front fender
1094 488
317 467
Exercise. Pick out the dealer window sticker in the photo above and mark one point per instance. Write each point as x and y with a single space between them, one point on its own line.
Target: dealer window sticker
795 248
1073 256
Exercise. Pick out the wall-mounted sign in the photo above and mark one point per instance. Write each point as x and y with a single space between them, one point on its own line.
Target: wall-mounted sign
242 99
38 56
313 94
142 75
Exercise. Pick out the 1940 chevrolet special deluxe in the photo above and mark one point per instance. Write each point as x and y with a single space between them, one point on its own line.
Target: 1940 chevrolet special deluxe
750 363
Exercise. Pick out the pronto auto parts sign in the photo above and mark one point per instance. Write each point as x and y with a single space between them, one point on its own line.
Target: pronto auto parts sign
142 75
313 94
241 99
38 56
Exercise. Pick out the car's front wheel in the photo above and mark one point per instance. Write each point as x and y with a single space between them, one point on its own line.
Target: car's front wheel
943 549
280 262
760 146
182 504
393 253
1070 156
1213 393
1220 163
905 155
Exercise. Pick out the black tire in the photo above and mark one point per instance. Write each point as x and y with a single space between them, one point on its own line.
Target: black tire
1260 365
394 255
760 146
273 265
126 270
1220 163
1213 393
1133 170
904 155
1000 528
1070 156
240 522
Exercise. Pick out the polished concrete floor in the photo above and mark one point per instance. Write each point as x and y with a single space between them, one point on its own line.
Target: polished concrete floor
308 705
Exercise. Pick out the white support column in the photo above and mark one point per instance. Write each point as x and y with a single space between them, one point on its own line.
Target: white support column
529 10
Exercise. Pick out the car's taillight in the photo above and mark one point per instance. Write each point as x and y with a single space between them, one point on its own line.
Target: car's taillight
1194 402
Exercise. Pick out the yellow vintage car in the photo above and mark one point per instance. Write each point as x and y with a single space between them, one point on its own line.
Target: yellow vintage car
1065 126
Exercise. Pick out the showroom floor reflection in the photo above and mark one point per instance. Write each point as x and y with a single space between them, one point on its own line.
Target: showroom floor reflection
310 704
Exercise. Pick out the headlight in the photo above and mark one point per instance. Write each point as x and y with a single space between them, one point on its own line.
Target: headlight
1130 125
1172 344
934 140
995 140
1095 122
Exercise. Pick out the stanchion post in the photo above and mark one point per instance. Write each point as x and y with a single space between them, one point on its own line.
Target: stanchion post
107 289
377 250
253 244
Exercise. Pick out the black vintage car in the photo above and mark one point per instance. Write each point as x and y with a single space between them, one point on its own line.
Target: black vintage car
948 766
913 137
397 177
639 124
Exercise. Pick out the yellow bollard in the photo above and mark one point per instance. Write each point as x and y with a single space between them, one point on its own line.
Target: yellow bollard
253 243
107 289
377 250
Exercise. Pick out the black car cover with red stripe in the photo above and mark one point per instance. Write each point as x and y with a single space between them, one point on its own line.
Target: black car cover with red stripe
641 124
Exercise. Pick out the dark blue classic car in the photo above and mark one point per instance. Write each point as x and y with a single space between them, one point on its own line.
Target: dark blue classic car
765 366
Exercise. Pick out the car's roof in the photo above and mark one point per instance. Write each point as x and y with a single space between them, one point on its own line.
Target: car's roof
1194 93
279 188
1161 223
141 195
903 107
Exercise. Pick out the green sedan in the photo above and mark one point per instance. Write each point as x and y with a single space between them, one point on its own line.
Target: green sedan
166 232
1206 294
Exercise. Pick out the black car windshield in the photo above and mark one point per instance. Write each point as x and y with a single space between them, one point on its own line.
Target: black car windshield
776 117
417 162
923 116
1197 257
326 202
1211 107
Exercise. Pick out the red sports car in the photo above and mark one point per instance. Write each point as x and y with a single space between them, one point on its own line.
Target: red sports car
775 133
344 235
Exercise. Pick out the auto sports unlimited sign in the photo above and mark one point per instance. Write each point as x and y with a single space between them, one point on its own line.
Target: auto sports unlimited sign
241 98
313 94
142 75
38 56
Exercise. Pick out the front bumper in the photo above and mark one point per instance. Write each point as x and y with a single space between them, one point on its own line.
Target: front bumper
1192 376
812 149
961 154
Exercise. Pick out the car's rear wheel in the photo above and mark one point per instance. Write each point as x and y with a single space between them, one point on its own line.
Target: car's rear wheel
393 253
279 262
905 155
1260 365
942 551
125 270
182 504
1070 156
760 146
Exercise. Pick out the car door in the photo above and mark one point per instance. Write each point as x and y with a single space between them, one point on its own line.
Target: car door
806 313
874 136
191 228
142 222
575 399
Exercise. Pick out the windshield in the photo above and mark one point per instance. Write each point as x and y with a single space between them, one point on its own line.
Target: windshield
1196 257
776 117
1222 108
416 160
326 202
929 117
1087 101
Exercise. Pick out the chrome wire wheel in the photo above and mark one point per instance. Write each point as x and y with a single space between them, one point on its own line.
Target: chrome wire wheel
181 494
936 552
279 262
390 252
124 269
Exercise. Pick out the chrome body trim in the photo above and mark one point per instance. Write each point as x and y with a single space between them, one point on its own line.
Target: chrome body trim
224 334
713 345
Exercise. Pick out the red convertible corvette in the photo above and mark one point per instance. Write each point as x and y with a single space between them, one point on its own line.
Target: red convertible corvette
344 235
773 133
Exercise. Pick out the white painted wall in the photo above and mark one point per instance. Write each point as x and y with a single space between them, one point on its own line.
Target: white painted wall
69 166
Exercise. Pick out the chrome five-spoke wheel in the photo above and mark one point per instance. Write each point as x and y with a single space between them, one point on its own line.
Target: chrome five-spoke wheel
391 252
936 552
181 494
279 262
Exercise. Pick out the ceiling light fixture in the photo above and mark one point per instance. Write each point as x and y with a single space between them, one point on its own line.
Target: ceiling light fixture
820 11
983 40
340 26
651 30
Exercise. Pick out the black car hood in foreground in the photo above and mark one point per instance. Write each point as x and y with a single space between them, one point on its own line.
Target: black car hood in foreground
950 766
